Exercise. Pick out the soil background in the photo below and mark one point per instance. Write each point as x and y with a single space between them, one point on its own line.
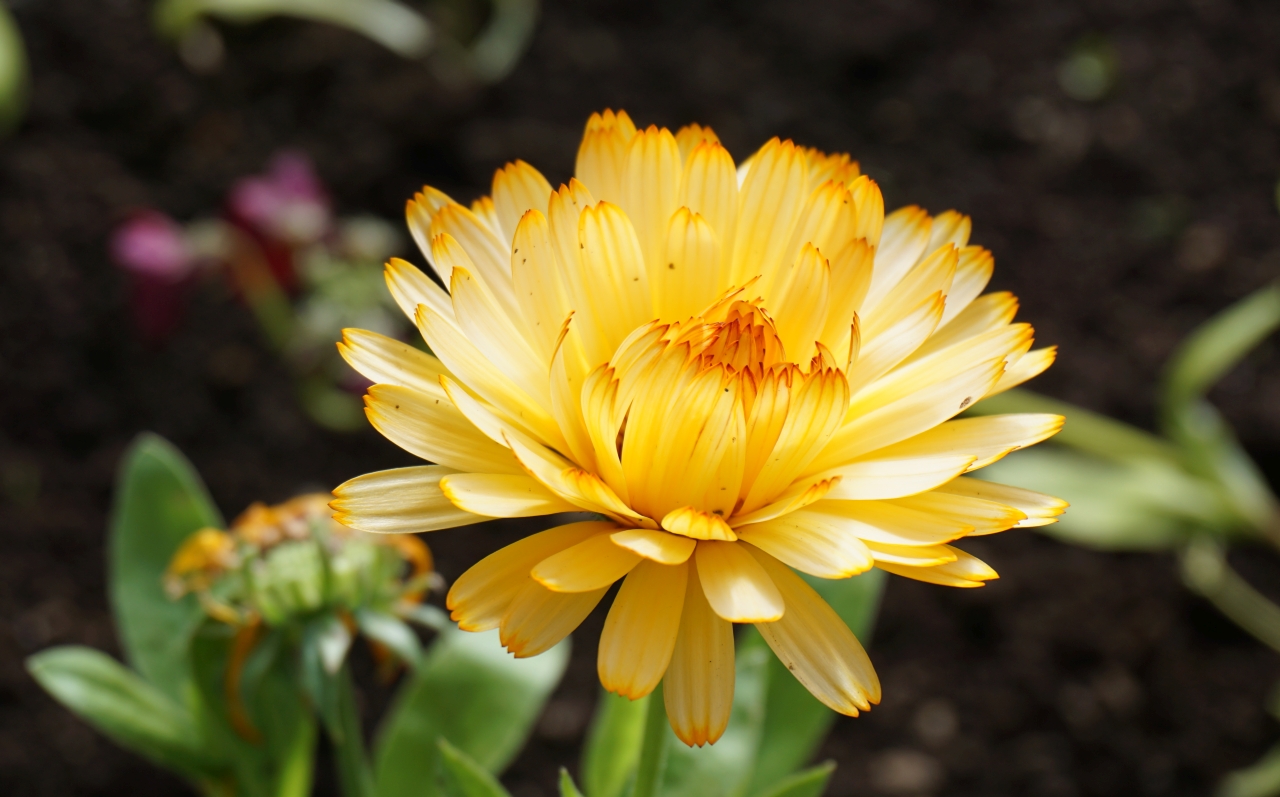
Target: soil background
1120 223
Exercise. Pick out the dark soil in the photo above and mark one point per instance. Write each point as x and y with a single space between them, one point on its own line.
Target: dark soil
1120 223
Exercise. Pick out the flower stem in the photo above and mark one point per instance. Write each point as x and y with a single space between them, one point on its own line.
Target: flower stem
653 750
1206 571
350 758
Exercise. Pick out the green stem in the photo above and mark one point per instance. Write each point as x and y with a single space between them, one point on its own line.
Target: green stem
350 758
1205 570
653 750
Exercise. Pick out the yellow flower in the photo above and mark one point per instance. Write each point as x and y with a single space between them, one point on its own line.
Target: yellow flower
741 369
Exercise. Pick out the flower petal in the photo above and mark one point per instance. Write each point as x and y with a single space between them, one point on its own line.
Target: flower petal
816 646
658 546
538 618
698 687
736 586
398 501
650 181
887 523
986 517
769 202
496 335
517 188
986 438
811 543
687 277
1039 508
965 571
410 288
694 523
903 242
535 275
387 361
481 596
640 631
602 156
709 188
894 477
973 272
432 428
590 565
502 495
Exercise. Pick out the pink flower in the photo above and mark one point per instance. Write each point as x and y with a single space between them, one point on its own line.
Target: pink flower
287 204
152 245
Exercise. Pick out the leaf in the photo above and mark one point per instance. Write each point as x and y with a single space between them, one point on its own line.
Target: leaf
795 721
159 502
725 768
1084 430
808 783
124 707
1138 505
392 632
324 639
1259 780
470 691
425 615
612 748
463 777
1218 345
567 787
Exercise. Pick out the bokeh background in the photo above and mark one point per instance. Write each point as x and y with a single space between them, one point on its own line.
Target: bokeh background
1122 213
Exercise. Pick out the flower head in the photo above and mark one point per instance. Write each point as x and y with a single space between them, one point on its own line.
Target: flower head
744 371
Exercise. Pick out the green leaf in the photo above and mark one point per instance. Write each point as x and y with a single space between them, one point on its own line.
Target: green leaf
124 707
725 768
567 787
809 783
463 777
1137 505
13 72
795 721
1260 780
392 632
1219 345
1084 429
159 502
473 693
324 641
425 615
613 744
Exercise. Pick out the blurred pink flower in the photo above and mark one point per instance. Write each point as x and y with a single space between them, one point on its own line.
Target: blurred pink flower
287 204
153 245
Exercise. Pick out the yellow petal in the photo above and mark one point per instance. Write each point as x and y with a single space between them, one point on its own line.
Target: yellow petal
798 496
816 646
487 213
931 276
949 227
796 296
588 566
538 618
688 277
696 524
892 346
491 255
811 543
910 555
387 361
474 370
650 180
973 272
698 687
640 631
1028 366
517 188
399 501
769 203
608 283
410 288
894 477
576 486
888 523
495 334
481 596
870 202
965 571
736 585
502 495
709 188
535 275
986 439
983 315
986 517
850 270
568 374
432 428
904 241
1040 509
418 214
690 136
602 156
657 546
827 220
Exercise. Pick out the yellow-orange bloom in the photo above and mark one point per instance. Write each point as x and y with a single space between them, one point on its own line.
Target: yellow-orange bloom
743 370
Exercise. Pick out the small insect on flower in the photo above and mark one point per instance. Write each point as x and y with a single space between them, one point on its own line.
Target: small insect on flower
744 370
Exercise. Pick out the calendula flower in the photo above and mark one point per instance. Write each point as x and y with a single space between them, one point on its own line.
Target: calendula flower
744 371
